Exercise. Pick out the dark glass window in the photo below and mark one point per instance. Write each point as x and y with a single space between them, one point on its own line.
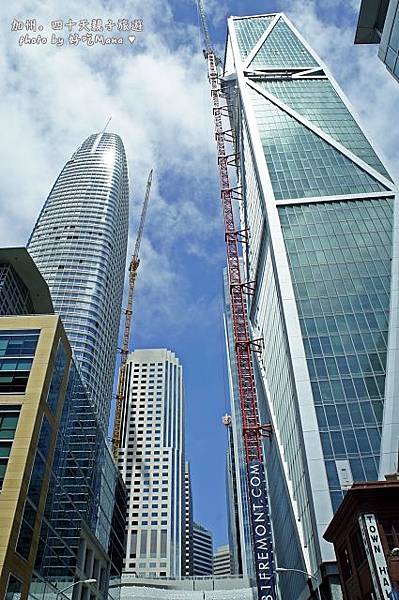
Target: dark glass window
345 563
26 532
44 437
18 342
14 589
56 380
357 545
8 425
36 480
17 349
391 531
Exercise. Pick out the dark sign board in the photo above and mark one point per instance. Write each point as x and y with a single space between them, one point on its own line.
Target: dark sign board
262 533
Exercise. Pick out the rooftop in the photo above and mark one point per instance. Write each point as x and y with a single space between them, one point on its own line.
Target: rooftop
371 21
26 269
361 498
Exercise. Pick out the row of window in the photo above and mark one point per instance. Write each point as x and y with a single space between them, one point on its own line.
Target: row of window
146 498
9 416
14 372
153 505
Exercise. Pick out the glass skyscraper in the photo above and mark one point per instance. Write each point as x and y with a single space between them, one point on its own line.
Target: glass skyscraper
79 244
202 550
322 252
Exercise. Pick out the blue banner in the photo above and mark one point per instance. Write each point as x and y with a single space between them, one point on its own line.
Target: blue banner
262 533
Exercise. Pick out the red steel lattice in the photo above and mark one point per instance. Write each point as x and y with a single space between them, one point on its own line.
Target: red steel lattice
252 428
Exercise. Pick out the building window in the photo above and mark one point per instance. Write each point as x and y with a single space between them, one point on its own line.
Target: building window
8 423
14 589
34 490
163 543
57 376
17 349
18 342
26 532
143 544
44 437
357 546
345 563
391 531
153 544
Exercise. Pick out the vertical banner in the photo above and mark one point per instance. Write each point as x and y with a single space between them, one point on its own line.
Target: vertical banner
262 533
375 556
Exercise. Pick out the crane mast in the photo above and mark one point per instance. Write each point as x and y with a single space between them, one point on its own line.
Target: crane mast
133 268
252 430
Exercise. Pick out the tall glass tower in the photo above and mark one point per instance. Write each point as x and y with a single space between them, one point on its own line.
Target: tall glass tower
319 206
79 244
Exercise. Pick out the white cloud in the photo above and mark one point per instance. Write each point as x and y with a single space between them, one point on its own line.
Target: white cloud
157 93
158 96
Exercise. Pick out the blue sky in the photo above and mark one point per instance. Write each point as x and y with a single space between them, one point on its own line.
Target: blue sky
157 93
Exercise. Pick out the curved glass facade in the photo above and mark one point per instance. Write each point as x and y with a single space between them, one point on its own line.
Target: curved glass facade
79 244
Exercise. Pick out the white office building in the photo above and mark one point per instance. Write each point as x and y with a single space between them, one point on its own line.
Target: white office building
152 463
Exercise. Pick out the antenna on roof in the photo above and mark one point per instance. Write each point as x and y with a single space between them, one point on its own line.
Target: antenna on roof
106 125
99 136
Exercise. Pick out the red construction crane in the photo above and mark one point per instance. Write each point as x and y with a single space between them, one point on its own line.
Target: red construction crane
252 430
133 267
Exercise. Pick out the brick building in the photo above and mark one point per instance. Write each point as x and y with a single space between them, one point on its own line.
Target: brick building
365 534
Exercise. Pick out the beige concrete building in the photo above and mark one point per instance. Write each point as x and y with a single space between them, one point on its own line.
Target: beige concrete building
221 561
29 420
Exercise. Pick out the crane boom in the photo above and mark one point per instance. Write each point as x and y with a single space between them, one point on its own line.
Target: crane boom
252 430
204 27
143 215
133 267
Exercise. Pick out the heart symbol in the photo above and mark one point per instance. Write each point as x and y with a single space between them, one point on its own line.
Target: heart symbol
131 38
